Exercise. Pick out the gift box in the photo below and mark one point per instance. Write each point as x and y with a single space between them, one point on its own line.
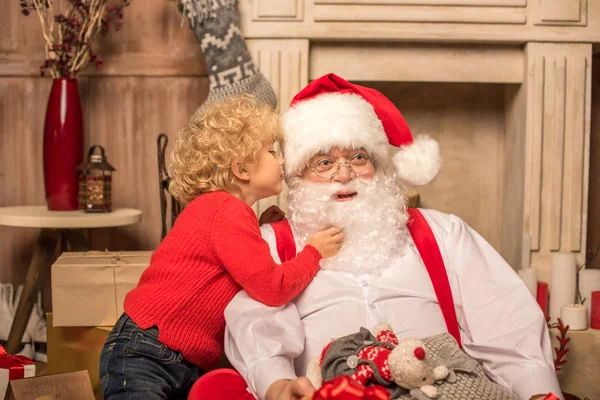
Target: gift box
88 288
13 367
75 349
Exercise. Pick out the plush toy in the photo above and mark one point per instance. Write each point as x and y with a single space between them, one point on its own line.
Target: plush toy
383 361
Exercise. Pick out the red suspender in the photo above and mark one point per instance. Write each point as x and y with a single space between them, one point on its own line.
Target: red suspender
428 250
432 258
286 246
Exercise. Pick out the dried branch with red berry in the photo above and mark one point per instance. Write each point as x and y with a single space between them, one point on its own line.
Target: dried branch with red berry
560 351
69 31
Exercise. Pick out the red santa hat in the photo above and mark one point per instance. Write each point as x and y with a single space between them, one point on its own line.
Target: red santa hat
331 112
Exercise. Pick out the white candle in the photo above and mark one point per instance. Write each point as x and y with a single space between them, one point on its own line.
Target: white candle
526 251
562 289
574 315
529 276
589 281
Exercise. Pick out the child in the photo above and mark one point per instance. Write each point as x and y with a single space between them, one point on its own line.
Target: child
173 327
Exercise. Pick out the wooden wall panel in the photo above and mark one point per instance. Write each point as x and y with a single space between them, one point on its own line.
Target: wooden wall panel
153 79
442 62
418 14
284 63
127 129
557 151
593 236
512 250
21 177
151 42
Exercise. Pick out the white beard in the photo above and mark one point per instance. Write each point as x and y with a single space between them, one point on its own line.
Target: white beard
374 222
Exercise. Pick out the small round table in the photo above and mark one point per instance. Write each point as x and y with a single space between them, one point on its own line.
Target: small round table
54 225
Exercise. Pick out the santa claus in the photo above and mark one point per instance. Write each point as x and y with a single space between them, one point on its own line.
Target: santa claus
347 151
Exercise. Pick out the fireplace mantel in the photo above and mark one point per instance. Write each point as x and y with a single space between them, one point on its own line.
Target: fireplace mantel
480 21
539 50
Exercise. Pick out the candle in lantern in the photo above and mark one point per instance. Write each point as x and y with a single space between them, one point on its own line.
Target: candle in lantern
95 182
574 315
563 287
595 312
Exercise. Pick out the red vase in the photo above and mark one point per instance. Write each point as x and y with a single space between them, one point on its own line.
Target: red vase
63 145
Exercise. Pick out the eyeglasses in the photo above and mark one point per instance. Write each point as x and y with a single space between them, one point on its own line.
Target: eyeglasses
328 167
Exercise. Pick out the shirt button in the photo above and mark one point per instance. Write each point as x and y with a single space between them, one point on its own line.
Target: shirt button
372 306
364 283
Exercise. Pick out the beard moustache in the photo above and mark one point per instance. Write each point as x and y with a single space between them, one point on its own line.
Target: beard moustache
374 222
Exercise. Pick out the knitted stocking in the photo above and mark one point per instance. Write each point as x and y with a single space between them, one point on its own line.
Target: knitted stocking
228 61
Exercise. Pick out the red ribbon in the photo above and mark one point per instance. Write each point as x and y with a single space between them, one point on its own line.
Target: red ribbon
14 364
345 388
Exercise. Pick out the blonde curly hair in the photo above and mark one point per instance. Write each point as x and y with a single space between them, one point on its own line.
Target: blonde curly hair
225 133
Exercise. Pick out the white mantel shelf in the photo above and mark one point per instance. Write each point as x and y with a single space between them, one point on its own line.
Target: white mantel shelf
473 21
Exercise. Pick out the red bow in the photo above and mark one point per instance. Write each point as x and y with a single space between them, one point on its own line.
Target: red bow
14 364
345 388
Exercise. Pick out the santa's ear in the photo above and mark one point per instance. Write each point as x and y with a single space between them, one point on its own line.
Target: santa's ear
240 172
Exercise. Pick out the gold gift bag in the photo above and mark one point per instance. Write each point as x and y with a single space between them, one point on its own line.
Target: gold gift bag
72 348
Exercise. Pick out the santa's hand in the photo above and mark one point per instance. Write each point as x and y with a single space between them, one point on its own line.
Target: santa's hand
285 389
328 242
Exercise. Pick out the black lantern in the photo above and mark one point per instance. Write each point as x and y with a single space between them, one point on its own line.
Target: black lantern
95 182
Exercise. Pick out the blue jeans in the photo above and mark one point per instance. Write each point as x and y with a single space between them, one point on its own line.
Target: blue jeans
134 365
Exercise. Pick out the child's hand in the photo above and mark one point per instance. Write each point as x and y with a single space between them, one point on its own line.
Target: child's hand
328 242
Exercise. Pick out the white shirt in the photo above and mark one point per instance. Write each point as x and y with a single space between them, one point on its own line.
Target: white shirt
501 324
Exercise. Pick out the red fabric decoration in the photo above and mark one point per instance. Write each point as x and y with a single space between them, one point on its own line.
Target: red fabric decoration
551 397
286 247
14 364
434 263
394 125
420 353
379 356
220 384
345 388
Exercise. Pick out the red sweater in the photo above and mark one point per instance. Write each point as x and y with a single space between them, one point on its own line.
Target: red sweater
214 250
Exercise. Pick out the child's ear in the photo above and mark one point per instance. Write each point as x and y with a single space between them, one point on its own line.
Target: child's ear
240 172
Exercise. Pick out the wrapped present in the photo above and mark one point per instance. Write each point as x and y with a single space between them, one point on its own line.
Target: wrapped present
13 367
88 288
75 349
345 388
